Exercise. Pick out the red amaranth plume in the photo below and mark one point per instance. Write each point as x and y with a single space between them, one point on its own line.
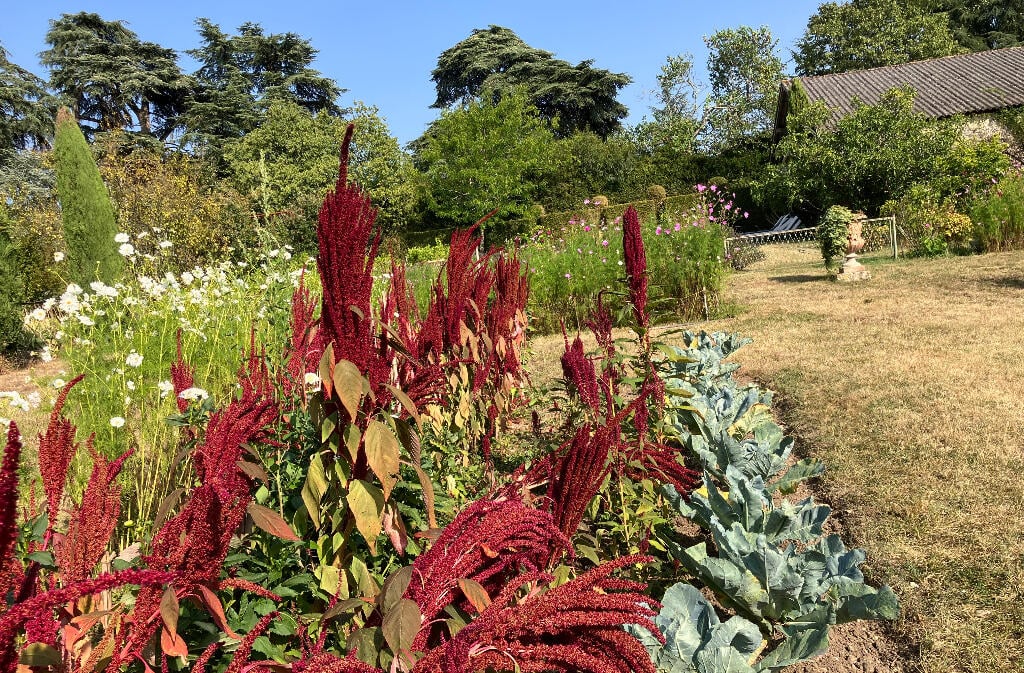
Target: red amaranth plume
306 346
324 662
575 477
56 449
576 627
600 324
636 265
579 371
348 246
9 507
244 651
487 542
93 522
182 377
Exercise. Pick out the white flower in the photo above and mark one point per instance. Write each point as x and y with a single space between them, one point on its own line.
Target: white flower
34 399
73 289
142 234
58 256
102 290
49 303
6 422
86 320
312 379
273 253
117 422
129 384
133 360
45 355
126 250
166 388
36 315
193 394
187 278
121 238
165 244
127 400
59 383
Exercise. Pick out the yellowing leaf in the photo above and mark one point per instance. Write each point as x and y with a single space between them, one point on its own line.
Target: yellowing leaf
476 594
366 503
382 454
348 386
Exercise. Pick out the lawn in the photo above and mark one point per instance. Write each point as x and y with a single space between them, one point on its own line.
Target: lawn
910 388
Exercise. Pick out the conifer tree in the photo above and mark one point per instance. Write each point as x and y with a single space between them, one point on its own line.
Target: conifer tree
86 210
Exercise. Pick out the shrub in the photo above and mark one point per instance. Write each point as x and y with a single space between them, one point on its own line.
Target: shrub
931 226
12 291
832 234
656 193
999 216
86 211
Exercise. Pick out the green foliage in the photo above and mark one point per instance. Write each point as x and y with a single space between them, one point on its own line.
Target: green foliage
932 224
587 164
26 109
240 76
983 24
833 236
86 211
874 154
999 215
12 288
484 156
871 33
744 72
113 79
493 62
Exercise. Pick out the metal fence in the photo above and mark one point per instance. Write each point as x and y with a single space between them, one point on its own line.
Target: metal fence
880 235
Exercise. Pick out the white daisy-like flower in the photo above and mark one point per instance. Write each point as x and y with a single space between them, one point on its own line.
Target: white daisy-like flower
74 289
133 360
193 394
129 384
102 290
187 278
166 388
35 316
45 355
165 244
312 379
86 320
59 383
58 256
126 250
34 398
121 238
117 422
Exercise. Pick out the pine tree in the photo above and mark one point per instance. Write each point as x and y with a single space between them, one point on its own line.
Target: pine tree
86 210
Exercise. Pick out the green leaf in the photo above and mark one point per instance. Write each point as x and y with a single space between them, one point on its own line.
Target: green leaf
39 654
808 468
366 502
394 588
43 558
382 454
401 624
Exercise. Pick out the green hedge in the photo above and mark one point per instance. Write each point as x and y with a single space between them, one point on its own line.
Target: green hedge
675 208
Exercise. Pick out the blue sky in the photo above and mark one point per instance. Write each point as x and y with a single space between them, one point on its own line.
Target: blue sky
383 52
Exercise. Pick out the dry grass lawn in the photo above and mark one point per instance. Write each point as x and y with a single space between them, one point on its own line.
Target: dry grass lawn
911 387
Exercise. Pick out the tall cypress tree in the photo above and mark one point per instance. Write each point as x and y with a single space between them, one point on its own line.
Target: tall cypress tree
86 210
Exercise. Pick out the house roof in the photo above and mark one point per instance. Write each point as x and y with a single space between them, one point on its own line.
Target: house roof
966 83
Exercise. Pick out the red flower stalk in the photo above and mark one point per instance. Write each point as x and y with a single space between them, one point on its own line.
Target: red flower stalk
487 542
200 665
323 662
348 245
182 377
575 478
573 627
306 345
56 449
580 373
9 508
636 265
600 324
244 650
93 522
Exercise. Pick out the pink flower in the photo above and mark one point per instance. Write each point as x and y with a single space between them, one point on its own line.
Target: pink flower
746 214
568 275
586 227
657 232
604 243
677 227
701 188
714 188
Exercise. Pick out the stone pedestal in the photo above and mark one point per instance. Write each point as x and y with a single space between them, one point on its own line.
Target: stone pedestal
852 270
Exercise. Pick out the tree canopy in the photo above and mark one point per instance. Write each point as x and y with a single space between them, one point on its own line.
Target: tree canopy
984 24
112 79
241 76
495 59
26 108
870 33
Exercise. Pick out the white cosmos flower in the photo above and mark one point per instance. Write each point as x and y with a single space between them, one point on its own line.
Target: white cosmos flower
117 422
45 355
193 394
187 278
133 360
73 288
129 384
34 398
58 256
166 388
86 320
102 290
126 250
121 238
59 383
35 316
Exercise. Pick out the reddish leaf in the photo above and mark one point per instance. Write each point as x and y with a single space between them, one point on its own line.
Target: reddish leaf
272 522
476 594
216 610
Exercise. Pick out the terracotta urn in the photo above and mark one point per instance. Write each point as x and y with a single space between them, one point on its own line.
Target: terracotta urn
855 237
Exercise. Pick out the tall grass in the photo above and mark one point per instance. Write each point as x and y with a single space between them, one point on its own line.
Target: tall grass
999 216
